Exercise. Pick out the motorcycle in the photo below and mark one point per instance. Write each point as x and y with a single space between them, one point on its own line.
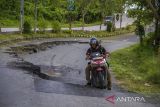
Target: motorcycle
98 73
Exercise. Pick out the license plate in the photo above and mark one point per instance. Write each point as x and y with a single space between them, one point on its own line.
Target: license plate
99 69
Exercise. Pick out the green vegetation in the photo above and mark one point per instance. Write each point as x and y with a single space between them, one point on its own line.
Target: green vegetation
137 69
109 27
85 12
63 34
48 9
15 23
27 27
42 25
56 27
142 11
9 23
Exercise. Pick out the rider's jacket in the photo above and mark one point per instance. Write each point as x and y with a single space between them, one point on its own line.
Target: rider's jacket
99 49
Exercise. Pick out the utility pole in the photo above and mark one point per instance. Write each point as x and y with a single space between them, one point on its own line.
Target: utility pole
21 16
121 15
71 7
35 15
0 27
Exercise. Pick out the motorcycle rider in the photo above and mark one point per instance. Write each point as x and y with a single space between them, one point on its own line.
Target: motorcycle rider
96 47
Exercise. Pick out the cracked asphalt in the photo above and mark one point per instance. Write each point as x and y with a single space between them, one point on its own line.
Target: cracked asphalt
65 63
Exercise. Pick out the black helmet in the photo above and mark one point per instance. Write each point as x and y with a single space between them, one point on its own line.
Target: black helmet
93 41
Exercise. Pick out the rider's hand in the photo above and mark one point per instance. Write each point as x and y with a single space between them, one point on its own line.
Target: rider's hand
88 57
107 55
104 56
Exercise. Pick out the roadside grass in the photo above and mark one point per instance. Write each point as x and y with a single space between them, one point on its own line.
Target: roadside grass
9 23
8 37
62 34
79 24
15 23
137 69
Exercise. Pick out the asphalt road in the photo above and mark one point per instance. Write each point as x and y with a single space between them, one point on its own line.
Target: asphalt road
125 21
19 88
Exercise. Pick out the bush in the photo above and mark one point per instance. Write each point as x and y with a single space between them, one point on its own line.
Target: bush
67 31
128 27
56 27
9 23
1 24
56 15
42 25
30 20
109 27
149 39
122 28
27 27
154 76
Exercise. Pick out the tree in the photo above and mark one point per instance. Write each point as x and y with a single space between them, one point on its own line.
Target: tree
120 6
142 15
84 6
9 8
143 12
154 5
106 9
140 32
71 12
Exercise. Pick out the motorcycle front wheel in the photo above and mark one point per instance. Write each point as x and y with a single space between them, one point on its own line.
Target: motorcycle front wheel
101 80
